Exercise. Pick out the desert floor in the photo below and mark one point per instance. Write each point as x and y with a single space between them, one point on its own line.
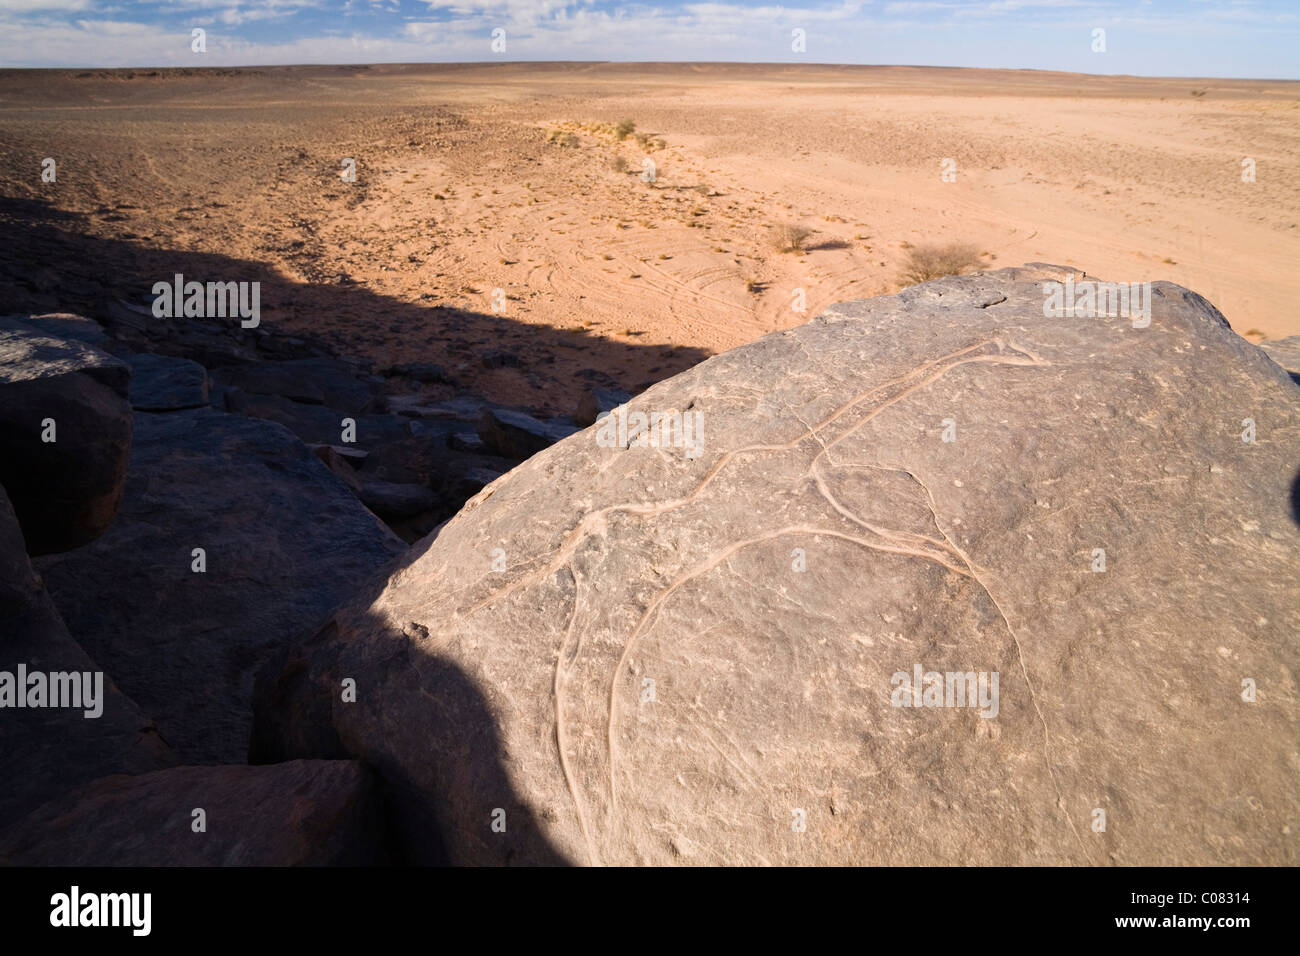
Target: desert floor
468 181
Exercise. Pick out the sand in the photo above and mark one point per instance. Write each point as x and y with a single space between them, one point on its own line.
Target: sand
477 178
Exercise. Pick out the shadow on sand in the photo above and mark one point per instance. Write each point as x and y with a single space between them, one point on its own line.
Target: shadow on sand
52 264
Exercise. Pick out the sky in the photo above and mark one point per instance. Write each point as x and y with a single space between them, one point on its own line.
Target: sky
1196 38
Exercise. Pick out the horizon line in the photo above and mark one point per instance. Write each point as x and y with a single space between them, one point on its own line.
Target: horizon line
723 63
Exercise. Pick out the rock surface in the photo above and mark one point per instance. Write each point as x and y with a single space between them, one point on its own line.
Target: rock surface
1286 353
301 813
397 500
160 383
694 659
283 540
65 491
313 381
518 435
65 325
45 751
318 424
596 401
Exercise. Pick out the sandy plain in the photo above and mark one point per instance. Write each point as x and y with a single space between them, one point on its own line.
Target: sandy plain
493 213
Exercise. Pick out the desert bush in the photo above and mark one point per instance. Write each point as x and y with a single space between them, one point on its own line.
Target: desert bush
788 237
618 164
933 261
624 129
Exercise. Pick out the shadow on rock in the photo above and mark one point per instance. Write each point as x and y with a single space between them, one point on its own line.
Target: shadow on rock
300 711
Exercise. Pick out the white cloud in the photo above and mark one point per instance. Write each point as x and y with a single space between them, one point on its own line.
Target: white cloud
44 6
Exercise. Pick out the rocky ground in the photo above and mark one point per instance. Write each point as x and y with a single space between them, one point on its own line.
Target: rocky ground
219 489
344 623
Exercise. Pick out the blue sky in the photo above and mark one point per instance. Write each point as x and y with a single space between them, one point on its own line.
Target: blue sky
1218 38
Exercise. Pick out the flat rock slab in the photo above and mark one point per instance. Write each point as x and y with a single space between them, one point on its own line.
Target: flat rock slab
284 540
314 381
632 653
46 750
318 424
160 383
65 432
65 325
301 813
518 435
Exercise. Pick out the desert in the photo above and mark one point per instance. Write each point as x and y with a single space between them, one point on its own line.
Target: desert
472 178
705 464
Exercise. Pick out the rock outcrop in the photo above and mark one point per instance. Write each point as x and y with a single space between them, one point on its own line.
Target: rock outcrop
282 541
45 750
301 813
65 432
718 626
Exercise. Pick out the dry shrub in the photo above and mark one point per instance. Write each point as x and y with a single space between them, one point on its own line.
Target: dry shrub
624 129
787 237
934 261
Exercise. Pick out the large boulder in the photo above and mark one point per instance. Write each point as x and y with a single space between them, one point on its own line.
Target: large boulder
750 645
65 433
283 541
46 750
301 813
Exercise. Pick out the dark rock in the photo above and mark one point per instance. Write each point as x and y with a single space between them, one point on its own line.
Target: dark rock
163 384
596 401
339 463
391 500
300 813
684 655
65 325
466 440
46 751
418 459
317 424
314 381
462 409
65 492
455 475
425 372
285 540
514 434
500 358
210 343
